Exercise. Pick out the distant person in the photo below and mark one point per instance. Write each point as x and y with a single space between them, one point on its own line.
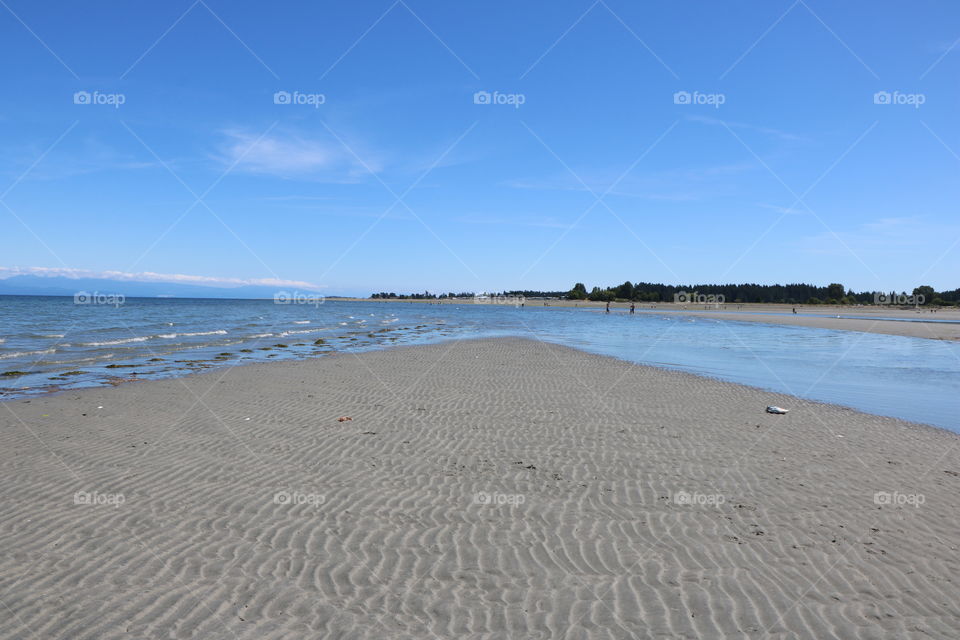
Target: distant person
632 307
608 306
794 309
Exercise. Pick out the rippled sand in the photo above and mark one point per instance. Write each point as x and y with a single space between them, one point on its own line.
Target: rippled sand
482 489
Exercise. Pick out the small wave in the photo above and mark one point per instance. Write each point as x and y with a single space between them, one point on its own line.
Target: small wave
109 343
343 324
293 333
21 354
49 335
170 336
262 335
301 322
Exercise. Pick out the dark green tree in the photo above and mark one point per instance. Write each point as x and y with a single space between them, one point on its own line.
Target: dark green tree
926 291
579 292
836 291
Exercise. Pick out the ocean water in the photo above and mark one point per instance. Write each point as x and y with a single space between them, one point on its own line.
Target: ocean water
51 343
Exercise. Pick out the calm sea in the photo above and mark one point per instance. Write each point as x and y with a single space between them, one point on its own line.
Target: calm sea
52 343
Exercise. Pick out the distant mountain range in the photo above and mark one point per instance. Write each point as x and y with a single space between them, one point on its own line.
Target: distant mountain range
28 285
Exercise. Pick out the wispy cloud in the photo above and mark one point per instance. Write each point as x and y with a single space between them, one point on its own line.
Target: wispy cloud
943 46
674 185
884 236
149 276
768 131
565 182
87 156
294 157
298 198
784 210
522 221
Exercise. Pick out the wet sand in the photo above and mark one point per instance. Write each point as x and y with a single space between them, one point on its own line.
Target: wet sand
481 489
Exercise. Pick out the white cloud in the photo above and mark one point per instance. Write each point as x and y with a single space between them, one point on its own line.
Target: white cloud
291 156
149 276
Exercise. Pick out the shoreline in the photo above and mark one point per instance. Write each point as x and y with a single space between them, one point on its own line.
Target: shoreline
215 368
497 487
922 325
268 365
220 368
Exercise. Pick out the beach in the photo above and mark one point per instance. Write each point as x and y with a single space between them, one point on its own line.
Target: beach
494 488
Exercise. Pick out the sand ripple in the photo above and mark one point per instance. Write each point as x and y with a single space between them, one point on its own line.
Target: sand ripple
483 489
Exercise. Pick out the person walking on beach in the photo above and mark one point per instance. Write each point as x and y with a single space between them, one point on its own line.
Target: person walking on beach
608 306
632 307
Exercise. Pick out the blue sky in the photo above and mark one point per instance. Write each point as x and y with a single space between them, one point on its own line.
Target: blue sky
400 181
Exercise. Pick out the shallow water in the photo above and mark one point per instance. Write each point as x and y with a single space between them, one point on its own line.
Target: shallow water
920 317
48 337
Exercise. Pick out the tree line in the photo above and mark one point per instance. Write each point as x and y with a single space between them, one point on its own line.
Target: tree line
834 293
426 295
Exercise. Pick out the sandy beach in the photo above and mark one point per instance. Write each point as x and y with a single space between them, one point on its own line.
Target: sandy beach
500 488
